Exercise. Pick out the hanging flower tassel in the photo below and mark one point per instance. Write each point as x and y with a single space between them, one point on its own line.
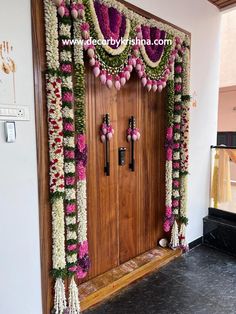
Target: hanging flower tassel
174 243
59 297
74 304
182 237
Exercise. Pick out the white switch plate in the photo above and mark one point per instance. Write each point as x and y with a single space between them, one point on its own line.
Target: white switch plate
10 131
14 112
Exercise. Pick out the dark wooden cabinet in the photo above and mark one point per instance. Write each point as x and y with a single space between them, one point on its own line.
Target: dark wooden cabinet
226 138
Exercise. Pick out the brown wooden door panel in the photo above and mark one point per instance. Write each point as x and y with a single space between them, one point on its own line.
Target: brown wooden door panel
127 104
152 168
102 190
125 210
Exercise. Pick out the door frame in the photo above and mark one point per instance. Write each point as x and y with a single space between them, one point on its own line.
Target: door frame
39 65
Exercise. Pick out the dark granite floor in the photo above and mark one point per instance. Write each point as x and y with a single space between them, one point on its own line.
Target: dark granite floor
202 281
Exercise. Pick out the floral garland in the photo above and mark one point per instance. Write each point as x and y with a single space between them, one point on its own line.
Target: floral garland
65 86
177 148
70 201
184 148
81 152
56 157
153 66
169 155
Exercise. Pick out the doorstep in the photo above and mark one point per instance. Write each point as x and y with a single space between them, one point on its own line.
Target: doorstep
103 286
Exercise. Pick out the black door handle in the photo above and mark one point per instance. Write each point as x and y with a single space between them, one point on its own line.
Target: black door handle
106 135
133 135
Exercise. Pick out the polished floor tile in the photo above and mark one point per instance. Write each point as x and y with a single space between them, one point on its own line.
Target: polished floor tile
202 281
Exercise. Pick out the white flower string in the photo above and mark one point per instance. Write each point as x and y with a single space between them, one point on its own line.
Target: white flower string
81 152
70 201
184 148
54 104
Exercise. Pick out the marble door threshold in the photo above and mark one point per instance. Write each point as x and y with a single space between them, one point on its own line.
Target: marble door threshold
103 286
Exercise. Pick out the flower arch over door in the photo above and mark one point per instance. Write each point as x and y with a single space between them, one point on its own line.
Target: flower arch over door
162 61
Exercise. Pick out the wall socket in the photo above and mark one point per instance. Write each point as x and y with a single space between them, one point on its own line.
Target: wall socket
14 113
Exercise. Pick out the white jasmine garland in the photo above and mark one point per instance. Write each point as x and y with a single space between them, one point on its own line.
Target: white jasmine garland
168 183
58 234
82 211
50 17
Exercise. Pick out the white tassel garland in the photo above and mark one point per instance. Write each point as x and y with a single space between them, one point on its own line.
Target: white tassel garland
182 237
174 243
74 304
59 297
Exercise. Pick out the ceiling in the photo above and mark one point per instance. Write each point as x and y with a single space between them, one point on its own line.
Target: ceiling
222 4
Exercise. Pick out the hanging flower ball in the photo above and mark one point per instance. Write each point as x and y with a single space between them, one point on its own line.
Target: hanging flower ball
127 73
160 88
144 81
140 74
109 81
57 2
149 85
92 62
96 69
133 134
107 132
154 86
74 11
122 79
81 10
103 77
117 82
134 61
61 10
138 65
90 51
103 138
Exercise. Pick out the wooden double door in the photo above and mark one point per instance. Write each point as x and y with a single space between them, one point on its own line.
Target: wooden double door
125 209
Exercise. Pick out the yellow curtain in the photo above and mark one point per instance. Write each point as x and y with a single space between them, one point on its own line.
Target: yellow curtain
221 185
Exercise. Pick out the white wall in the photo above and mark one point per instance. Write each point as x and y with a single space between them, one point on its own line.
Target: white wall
228 47
202 19
20 290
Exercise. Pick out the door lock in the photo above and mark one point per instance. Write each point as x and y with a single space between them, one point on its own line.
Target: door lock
122 153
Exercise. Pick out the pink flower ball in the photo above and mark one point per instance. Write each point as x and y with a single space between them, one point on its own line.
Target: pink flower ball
168 211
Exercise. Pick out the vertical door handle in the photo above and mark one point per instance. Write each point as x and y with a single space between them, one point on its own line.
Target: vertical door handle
106 135
133 135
